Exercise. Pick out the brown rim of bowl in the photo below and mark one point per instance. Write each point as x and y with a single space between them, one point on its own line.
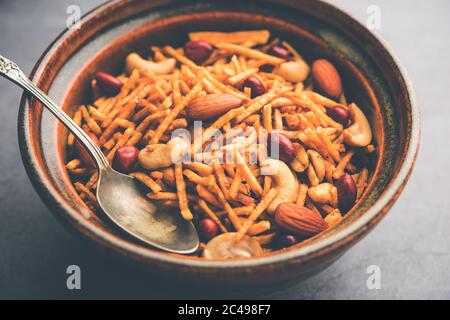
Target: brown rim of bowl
347 235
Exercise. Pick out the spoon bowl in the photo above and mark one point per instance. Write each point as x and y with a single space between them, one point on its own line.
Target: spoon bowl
121 198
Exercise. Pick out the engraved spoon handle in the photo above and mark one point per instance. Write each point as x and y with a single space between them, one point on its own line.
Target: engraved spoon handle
12 72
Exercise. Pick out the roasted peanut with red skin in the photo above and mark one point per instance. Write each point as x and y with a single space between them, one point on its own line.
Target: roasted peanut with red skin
339 115
198 51
256 86
84 156
207 229
285 241
108 84
286 149
279 52
125 158
346 192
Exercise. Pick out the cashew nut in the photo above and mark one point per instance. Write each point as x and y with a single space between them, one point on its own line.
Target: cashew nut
224 246
134 61
318 164
156 156
293 71
163 155
324 193
283 180
359 134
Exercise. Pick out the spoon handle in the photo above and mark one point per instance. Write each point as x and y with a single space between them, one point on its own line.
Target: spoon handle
12 72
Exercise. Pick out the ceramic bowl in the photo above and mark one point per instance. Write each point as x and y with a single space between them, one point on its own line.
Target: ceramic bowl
372 75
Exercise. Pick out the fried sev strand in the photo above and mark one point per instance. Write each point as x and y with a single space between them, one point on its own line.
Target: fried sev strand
257 212
91 123
248 175
231 214
158 175
123 140
277 120
201 168
180 57
221 178
240 211
82 189
73 164
144 112
267 184
328 145
235 185
238 37
147 180
258 228
219 85
229 168
236 66
195 178
256 106
79 171
241 77
96 115
181 192
207 210
205 194
134 139
169 176
247 52
267 118
146 122
173 114
217 125
162 196
176 93
321 100
339 171
92 182
77 118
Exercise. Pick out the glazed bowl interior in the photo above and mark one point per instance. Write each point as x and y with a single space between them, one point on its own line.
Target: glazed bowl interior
371 78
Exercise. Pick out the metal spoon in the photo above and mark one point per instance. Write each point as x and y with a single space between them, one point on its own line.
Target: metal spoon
120 196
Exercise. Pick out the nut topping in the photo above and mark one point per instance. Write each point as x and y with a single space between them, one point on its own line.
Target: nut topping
211 106
225 247
327 78
299 220
198 51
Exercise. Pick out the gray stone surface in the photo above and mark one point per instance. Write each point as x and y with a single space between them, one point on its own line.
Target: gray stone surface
411 246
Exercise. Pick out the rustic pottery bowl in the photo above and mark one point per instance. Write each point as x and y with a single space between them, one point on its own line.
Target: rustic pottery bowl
372 76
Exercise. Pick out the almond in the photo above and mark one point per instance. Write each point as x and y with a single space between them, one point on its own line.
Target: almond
327 78
211 106
299 220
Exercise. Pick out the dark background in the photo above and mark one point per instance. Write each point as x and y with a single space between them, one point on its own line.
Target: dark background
411 246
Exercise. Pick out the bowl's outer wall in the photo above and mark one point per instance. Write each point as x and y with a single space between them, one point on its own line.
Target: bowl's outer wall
43 152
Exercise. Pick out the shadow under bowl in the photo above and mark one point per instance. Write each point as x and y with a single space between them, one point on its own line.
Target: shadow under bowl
371 74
